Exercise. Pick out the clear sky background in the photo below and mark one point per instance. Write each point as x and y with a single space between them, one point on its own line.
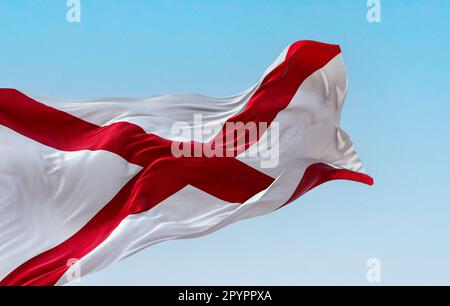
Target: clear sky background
397 113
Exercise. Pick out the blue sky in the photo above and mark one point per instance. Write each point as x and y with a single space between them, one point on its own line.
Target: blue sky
397 113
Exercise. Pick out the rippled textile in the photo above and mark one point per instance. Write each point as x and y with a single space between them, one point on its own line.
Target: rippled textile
85 184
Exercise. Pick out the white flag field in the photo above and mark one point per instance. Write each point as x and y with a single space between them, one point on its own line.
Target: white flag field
84 184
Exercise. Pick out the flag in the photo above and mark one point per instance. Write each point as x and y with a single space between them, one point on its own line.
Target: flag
84 184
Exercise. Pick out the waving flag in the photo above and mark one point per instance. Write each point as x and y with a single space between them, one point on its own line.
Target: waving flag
88 183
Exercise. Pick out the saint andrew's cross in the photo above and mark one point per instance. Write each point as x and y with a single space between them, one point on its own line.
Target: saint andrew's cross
162 174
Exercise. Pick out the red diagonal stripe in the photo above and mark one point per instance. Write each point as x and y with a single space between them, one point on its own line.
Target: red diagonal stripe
320 173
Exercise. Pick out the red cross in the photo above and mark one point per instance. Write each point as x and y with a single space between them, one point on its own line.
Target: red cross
163 174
